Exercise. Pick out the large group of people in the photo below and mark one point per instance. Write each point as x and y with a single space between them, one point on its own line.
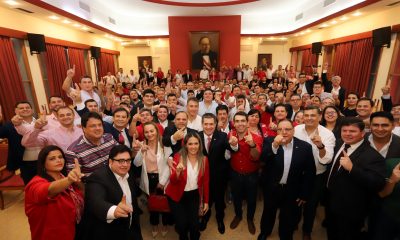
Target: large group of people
193 139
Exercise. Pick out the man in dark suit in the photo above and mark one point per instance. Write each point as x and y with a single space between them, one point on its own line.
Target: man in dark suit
357 174
187 77
205 56
111 210
119 129
288 179
215 148
16 152
174 135
333 87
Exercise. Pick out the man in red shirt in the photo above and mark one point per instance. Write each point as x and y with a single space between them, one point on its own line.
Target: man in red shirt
245 165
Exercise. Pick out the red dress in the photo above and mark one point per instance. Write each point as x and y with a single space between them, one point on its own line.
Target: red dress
49 218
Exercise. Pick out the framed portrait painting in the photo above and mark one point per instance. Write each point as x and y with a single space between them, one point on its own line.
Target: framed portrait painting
263 60
145 62
204 49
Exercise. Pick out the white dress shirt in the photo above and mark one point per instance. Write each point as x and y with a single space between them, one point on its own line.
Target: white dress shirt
396 131
123 183
212 108
204 74
287 160
192 175
195 124
327 138
384 150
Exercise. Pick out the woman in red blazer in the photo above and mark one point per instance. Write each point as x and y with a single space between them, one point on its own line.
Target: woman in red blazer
188 188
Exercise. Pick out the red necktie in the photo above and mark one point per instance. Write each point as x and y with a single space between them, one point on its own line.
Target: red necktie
208 143
121 138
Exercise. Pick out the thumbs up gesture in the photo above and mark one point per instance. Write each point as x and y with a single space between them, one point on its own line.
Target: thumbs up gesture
123 209
316 139
233 141
71 72
278 140
75 175
249 138
346 162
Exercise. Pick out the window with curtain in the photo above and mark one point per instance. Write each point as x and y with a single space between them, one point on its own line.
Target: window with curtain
394 73
22 65
11 87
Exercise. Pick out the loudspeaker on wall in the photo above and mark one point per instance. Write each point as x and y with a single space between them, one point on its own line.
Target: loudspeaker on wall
37 43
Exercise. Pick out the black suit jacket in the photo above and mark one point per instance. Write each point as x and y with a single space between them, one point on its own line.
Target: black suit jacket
102 191
218 165
394 147
15 149
109 128
301 175
187 78
166 140
310 84
197 60
350 193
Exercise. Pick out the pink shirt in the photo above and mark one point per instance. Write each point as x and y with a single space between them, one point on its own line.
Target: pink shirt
59 136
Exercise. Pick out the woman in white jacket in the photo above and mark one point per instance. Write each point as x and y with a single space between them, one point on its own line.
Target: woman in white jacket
153 158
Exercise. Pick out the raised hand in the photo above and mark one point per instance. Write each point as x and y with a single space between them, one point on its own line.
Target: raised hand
76 94
75 174
179 134
123 209
278 140
71 72
386 89
179 168
136 145
42 121
249 138
17 120
233 141
144 148
272 125
395 177
346 162
316 139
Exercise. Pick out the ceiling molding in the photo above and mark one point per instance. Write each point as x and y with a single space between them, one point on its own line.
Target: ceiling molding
66 14
200 4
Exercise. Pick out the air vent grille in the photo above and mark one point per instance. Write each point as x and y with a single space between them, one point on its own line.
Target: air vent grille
328 2
299 16
84 6
24 10
111 20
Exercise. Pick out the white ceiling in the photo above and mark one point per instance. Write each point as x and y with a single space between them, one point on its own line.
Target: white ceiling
142 18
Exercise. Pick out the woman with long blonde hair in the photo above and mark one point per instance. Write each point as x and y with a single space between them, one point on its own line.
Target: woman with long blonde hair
155 174
188 189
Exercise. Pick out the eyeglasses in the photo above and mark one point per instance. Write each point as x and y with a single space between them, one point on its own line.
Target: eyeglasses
122 161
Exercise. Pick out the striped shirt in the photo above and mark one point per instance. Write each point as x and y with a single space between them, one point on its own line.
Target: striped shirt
90 156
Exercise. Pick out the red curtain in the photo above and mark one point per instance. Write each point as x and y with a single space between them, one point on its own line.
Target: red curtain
352 62
105 64
11 88
308 59
56 63
76 57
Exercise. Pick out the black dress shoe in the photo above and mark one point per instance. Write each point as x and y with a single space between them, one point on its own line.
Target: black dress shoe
262 237
221 227
203 224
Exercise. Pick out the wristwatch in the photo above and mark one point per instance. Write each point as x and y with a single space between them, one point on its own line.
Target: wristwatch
321 147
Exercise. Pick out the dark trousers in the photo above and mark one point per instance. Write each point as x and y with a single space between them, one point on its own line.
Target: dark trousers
244 186
276 197
28 171
155 216
310 207
186 215
217 196
341 227
386 227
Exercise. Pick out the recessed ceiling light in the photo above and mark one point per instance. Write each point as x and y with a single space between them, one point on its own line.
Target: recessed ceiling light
84 28
344 18
324 25
54 17
296 35
308 30
66 21
77 25
302 33
283 38
333 22
11 2
271 38
356 14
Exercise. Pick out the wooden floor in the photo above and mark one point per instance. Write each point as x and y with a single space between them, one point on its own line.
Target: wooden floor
14 224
